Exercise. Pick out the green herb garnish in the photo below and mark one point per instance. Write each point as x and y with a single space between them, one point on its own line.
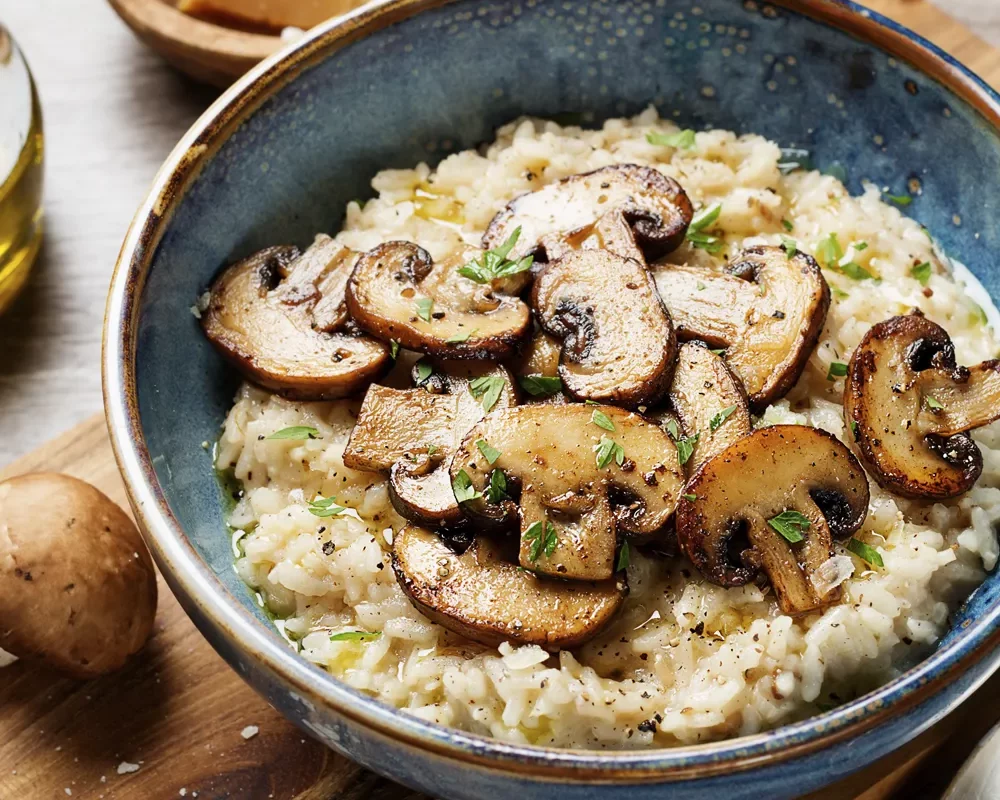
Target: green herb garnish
854 428
793 158
463 489
488 388
601 420
855 271
787 225
298 432
932 404
899 199
325 507
691 497
608 449
682 139
829 252
394 349
716 422
838 369
865 552
922 272
431 449
489 452
461 336
494 263
700 222
424 371
355 636
718 352
791 246
685 447
790 524
424 306
624 558
542 538
860 246
497 490
540 385
672 429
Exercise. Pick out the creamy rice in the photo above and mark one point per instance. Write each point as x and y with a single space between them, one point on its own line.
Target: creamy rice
686 661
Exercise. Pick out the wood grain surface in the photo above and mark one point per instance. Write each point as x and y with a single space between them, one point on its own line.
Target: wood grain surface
177 712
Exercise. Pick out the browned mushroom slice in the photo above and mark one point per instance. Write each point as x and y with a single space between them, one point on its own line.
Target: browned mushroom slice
618 342
484 596
767 310
398 293
654 205
561 469
910 407
411 434
709 401
278 317
774 500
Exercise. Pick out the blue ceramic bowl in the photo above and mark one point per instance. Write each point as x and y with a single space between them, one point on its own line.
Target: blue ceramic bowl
279 155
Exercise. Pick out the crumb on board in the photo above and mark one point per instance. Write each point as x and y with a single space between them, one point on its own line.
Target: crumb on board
126 767
249 731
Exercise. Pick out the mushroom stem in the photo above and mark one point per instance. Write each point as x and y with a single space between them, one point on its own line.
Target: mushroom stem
968 396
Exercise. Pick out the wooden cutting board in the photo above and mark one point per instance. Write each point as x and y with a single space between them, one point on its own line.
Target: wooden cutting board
172 723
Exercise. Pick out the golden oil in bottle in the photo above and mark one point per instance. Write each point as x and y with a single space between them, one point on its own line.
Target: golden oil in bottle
21 156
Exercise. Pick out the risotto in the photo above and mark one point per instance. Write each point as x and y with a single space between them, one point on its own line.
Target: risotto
684 660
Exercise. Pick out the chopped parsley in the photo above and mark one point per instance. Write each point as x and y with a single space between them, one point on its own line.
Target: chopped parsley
540 385
700 286
854 428
981 314
461 336
716 422
355 636
624 558
838 369
488 388
683 140
424 306
685 447
393 349
839 293
542 539
701 221
790 524
424 371
497 490
855 271
672 429
922 272
718 352
494 263
860 246
932 404
601 420
691 497
489 452
608 450
325 507
787 225
865 552
829 252
791 246
298 432
463 488
899 199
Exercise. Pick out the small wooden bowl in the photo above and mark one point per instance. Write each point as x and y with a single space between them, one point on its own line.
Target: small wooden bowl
208 53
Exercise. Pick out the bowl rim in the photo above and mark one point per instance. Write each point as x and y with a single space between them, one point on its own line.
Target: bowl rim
204 595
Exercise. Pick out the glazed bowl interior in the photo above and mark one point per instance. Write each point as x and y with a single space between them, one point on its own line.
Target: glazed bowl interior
278 159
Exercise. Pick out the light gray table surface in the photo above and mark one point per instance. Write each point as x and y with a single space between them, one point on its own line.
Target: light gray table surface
112 113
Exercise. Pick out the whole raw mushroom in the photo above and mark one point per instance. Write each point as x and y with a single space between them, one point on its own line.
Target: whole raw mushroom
77 585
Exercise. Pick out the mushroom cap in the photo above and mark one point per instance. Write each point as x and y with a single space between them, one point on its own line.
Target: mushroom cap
482 595
767 310
465 319
910 448
411 434
548 453
725 531
279 317
709 401
618 342
77 586
655 206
